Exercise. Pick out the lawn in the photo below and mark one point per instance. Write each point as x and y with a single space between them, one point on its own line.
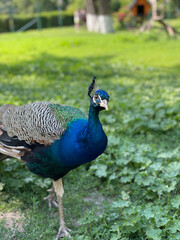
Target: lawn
130 192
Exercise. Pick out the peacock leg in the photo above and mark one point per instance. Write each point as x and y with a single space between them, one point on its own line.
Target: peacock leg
63 230
51 198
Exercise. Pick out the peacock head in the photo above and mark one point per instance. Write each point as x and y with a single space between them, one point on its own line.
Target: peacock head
99 99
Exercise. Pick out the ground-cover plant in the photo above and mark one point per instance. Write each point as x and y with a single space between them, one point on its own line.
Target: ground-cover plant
133 190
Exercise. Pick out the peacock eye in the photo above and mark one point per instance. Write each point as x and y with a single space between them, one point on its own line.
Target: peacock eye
96 97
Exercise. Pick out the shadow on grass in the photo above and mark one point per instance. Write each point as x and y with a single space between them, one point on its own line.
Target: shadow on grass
51 77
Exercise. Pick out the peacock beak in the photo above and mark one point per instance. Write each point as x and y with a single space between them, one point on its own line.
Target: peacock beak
104 104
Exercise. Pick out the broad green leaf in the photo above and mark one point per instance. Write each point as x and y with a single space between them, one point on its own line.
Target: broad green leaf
101 170
153 233
1 186
176 202
120 204
162 221
173 226
148 213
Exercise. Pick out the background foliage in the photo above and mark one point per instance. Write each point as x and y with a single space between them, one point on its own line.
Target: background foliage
29 6
25 11
132 190
48 19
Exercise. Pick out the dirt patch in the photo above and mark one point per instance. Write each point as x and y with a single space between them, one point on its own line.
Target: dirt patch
96 198
12 220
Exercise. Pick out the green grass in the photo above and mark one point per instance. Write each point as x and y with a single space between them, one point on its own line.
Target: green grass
132 190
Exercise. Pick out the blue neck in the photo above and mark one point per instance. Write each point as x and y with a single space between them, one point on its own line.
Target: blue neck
93 129
93 120
94 132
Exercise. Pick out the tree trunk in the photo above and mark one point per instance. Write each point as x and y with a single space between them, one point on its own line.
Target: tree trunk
104 7
105 18
91 15
99 20
154 8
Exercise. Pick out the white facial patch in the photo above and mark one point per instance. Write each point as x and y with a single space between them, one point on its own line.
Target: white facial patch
94 100
102 103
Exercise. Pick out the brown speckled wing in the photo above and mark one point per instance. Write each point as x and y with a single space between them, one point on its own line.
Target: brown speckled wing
40 122
32 123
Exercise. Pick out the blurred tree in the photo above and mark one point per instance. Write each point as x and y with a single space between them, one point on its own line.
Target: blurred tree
158 15
75 4
98 16
28 6
4 6
91 16
22 6
125 2
115 5
176 3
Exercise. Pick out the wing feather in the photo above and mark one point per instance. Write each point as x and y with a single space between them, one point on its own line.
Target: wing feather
40 122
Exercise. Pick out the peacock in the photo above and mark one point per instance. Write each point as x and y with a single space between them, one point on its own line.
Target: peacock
52 139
